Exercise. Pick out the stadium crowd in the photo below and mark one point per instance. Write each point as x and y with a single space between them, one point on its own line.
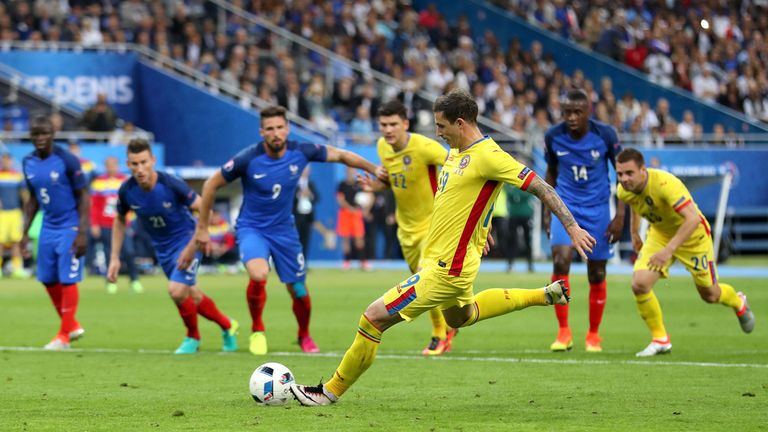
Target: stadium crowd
517 86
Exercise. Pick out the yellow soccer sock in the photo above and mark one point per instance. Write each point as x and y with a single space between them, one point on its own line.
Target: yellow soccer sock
357 359
499 301
650 312
728 297
16 263
439 327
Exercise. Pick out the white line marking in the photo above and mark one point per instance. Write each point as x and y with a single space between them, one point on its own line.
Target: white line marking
334 354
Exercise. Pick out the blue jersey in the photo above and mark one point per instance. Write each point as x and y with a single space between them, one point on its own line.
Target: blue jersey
269 185
54 181
163 211
583 165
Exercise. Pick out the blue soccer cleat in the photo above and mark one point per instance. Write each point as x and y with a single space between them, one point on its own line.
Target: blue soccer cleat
188 346
230 336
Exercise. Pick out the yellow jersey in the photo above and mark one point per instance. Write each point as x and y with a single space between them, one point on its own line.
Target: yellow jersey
660 203
413 178
467 188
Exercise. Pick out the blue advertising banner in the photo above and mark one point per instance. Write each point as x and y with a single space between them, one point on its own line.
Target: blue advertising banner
76 78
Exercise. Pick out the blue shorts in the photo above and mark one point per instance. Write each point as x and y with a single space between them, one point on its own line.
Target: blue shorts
168 263
593 219
281 244
56 260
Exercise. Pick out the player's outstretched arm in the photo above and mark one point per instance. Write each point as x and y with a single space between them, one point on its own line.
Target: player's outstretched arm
582 241
118 235
210 187
634 227
353 160
551 179
31 206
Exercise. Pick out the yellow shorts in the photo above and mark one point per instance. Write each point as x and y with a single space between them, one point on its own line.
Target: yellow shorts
11 225
696 254
412 246
428 289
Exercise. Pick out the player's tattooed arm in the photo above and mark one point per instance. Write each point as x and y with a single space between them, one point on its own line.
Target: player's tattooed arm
546 193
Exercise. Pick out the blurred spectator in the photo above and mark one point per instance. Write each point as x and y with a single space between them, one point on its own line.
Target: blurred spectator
223 244
86 165
304 209
350 225
100 117
122 136
12 195
687 127
380 219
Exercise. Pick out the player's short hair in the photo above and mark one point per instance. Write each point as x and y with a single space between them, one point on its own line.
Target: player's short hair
273 111
630 154
393 107
138 145
577 95
458 103
40 120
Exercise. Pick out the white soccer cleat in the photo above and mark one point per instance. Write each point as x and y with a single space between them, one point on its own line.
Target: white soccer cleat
556 293
76 334
656 348
56 345
311 396
745 315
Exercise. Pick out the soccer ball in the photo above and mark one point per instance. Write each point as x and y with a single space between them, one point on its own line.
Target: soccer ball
271 384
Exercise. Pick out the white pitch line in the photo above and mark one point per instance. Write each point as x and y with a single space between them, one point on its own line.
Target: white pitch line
333 354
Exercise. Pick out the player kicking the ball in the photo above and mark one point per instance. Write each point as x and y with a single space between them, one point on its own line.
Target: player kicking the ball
466 190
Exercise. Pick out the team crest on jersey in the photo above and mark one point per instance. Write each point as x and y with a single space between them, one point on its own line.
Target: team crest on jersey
649 201
294 169
595 154
407 160
54 176
523 173
167 204
229 165
464 162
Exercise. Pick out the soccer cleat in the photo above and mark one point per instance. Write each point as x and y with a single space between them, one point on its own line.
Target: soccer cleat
656 347
230 336
437 346
188 346
19 274
111 288
312 396
56 345
745 315
137 287
366 266
76 334
564 341
556 293
258 345
593 343
308 345
346 265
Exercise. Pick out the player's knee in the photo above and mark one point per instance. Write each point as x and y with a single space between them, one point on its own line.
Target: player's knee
709 296
299 290
456 322
258 275
640 287
177 295
596 275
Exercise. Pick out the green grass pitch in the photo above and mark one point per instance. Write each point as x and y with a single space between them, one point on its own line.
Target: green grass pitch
500 376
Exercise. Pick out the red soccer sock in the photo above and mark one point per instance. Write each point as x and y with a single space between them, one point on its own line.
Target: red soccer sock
302 308
561 311
188 312
256 294
597 296
207 308
69 300
54 291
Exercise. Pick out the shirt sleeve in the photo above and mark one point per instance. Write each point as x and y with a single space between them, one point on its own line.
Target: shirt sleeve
549 153
612 144
500 166
122 200
314 152
435 153
675 194
74 171
238 165
26 177
184 194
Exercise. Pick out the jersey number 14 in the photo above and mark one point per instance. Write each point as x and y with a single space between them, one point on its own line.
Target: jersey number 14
579 173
